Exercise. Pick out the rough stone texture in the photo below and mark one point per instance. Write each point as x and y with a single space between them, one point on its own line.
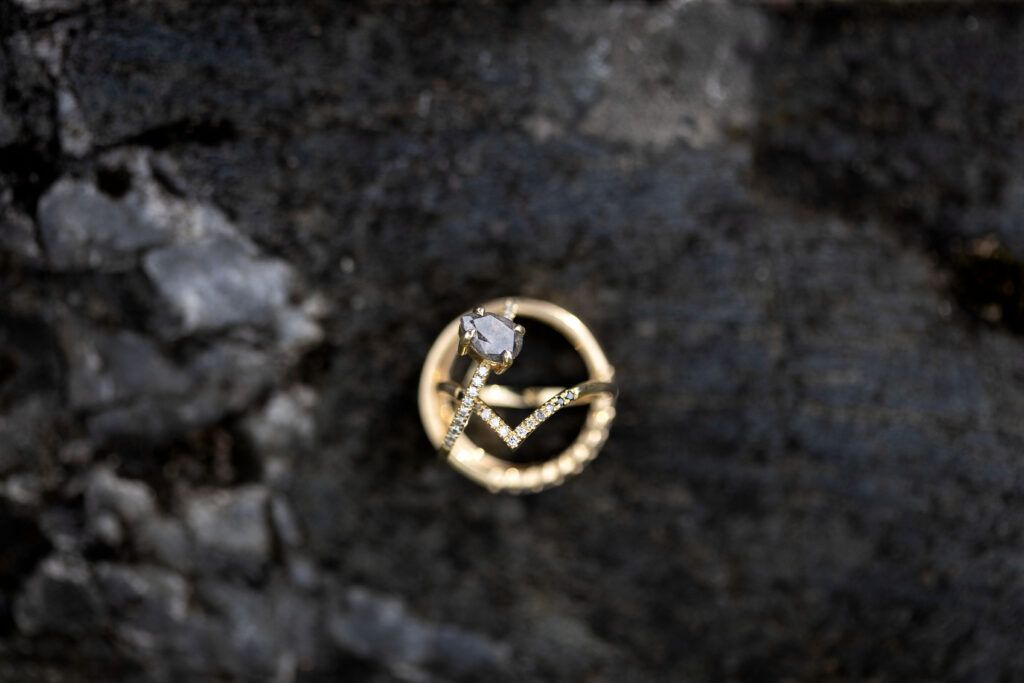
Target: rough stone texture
230 231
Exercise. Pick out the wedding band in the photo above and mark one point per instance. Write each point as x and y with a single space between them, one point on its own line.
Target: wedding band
491 336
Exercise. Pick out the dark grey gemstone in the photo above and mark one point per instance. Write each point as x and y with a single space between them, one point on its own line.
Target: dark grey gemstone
494 336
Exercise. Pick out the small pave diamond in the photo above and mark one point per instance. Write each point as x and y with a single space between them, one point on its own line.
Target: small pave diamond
477 380
513 436
482 371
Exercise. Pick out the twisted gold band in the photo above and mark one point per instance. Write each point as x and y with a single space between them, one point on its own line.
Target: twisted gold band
447 405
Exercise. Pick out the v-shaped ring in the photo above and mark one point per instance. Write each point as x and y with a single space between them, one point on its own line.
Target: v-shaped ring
470 401
514 437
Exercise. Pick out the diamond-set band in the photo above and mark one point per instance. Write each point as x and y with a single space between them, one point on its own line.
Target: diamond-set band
493 340
514 437
468 402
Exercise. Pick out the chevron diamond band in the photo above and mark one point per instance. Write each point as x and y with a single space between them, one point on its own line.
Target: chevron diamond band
493 339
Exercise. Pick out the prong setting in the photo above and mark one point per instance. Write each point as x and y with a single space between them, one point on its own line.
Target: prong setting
490 338
464 340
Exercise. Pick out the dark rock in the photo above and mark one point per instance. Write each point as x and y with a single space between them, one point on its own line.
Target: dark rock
118 368
230 528
230 231
59 598
81 228
18 233
380 628
218 283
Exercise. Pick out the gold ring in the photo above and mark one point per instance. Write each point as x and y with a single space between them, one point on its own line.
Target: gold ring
492 339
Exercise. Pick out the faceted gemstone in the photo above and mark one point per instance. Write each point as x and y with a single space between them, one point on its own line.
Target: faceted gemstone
513 441
521 431
494 336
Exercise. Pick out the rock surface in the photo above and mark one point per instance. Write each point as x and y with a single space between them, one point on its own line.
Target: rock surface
230 231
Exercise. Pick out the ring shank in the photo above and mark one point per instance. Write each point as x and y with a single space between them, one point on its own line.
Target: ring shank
437 406
500 396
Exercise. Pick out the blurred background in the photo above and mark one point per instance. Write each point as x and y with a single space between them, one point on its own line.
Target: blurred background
229 233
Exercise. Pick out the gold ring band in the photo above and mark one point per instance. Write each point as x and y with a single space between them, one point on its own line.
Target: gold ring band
446 405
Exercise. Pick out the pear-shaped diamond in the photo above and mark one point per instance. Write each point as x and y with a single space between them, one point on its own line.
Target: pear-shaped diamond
494 335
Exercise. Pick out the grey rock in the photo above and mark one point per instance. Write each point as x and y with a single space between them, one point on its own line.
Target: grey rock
282 430
75 138
227 378
145 601
83 228
9 129
286 422
380 627
124 511
59 598
219 381
18 232
625 57
131 501
116 368
20 431
34 6
249 634
230 527
165 541
221 282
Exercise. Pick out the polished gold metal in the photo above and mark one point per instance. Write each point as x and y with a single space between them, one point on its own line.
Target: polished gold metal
446 405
